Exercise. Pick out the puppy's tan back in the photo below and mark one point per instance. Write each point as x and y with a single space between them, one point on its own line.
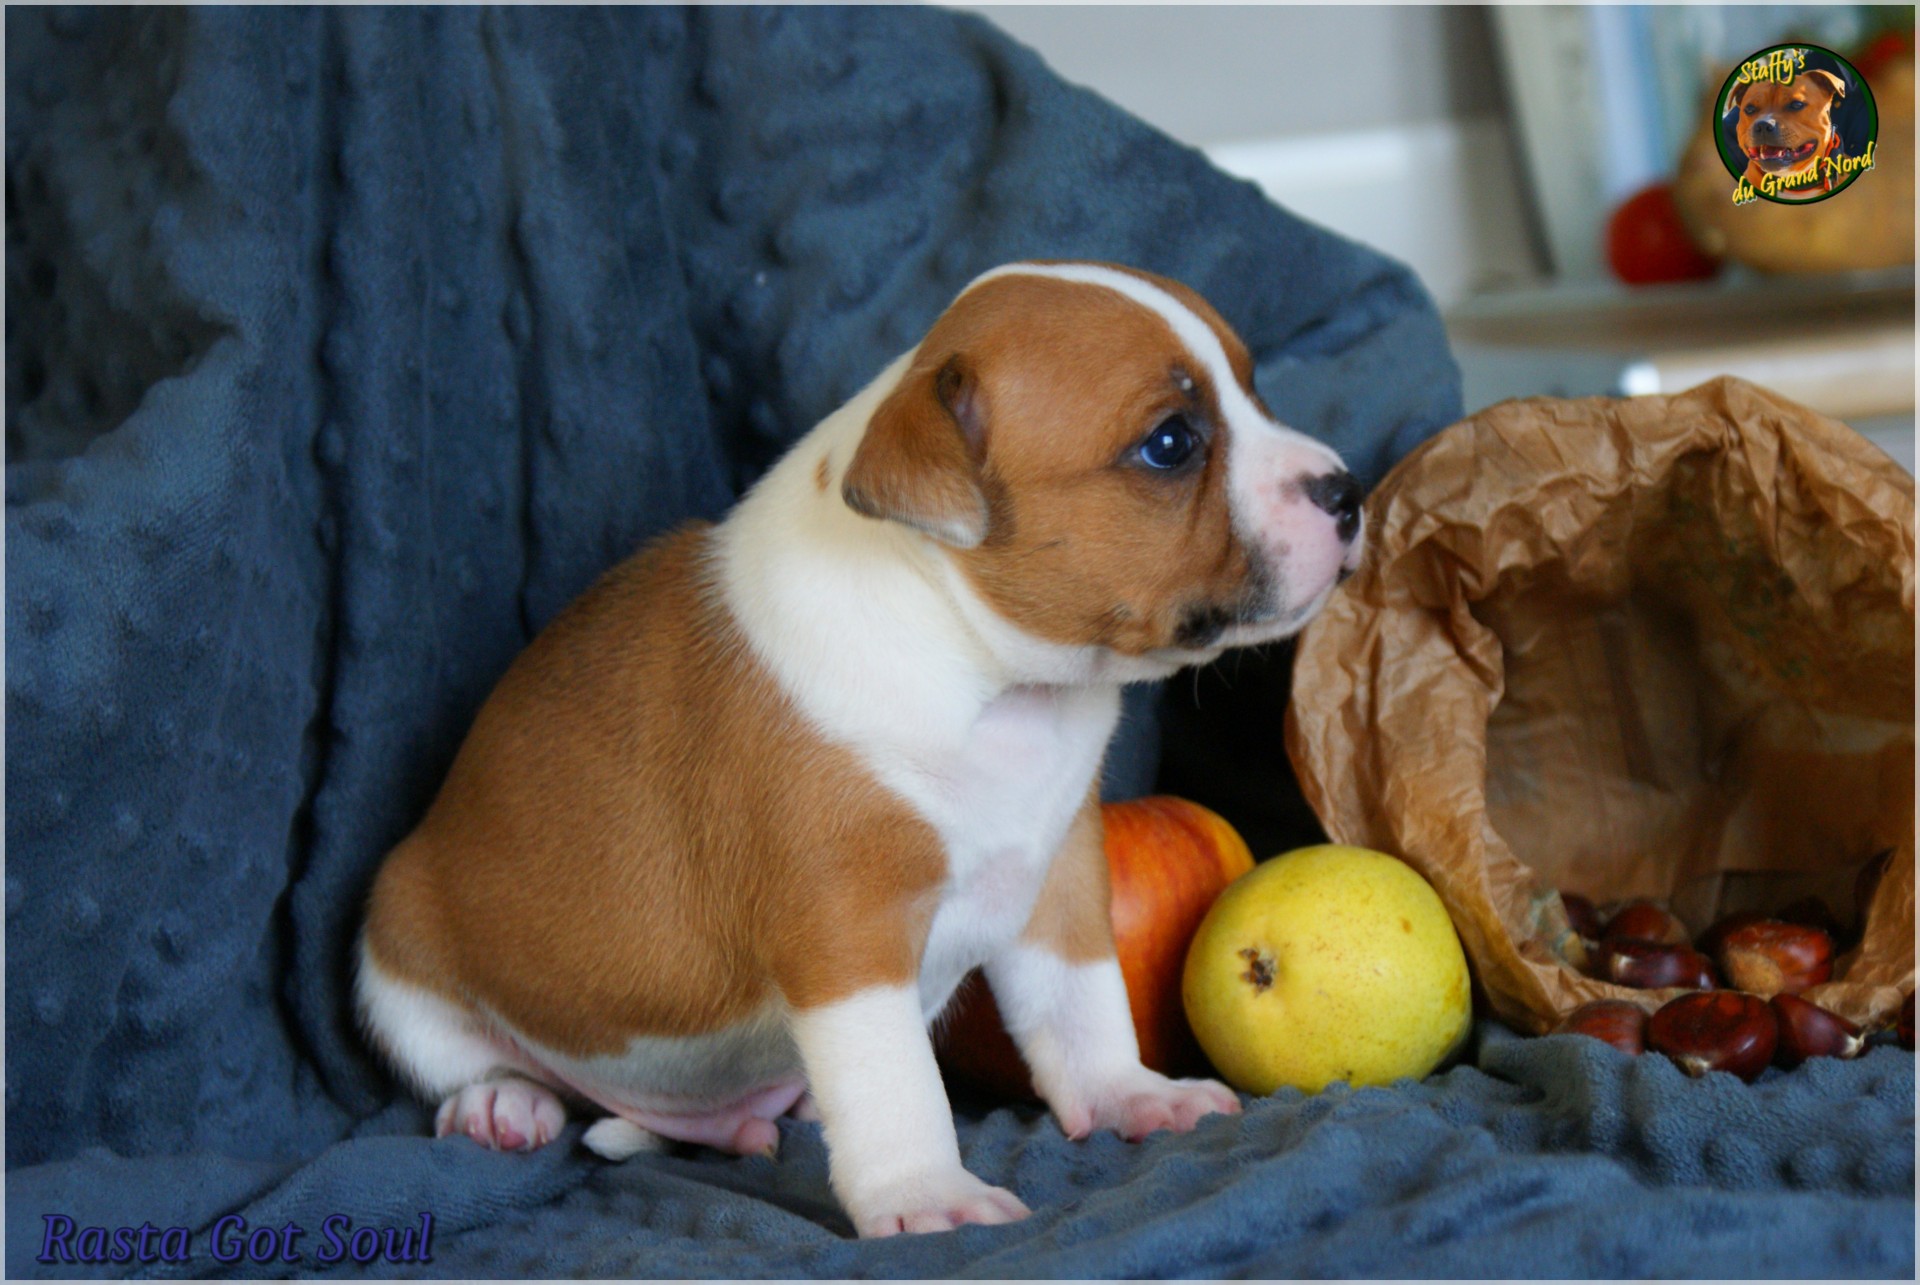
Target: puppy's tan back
587 875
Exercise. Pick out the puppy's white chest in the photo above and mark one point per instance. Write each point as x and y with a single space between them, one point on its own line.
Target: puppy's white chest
1017 757
1003 799
1016 778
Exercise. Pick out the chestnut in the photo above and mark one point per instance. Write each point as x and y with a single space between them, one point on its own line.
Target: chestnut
1721 1031
1611 1021
1904 1027
1645 921
1769 957
1811 912
1581 916
1807 1030
1715 937
1651 966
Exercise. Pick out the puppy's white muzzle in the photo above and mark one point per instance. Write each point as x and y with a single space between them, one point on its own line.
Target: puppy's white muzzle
1296 503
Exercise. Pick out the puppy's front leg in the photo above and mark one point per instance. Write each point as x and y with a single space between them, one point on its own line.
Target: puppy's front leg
1065 1004
892 1153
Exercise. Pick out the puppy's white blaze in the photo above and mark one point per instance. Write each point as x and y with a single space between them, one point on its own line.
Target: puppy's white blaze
1266 461
1195 333
1072 1021
871 1071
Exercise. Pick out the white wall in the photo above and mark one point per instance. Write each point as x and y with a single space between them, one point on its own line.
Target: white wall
1384 123
1221 73
1387 124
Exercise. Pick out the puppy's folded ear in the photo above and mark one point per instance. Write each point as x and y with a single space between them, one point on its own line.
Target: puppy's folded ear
1835 86
920 460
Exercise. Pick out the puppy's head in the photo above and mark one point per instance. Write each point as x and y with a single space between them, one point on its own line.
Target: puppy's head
1784 125
1086 443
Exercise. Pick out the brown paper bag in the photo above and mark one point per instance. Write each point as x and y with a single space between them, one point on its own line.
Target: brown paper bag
1658 647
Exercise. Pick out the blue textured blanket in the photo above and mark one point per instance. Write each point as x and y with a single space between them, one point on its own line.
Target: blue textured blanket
344 347
1555 1157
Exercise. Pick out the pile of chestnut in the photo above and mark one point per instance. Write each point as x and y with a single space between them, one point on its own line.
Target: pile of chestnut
1746 974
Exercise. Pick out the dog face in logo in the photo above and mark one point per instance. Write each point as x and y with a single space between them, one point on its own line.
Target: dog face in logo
1785 128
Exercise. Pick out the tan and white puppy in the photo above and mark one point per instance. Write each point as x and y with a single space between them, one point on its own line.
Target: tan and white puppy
729 833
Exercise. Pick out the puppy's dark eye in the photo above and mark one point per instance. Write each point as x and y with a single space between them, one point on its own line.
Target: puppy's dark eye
1751 109
1795 105
1168 446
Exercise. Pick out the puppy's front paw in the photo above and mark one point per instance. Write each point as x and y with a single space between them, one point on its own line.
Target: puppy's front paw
939 1200
1140 1103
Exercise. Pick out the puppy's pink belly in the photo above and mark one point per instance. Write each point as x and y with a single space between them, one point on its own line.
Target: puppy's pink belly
711 1125
721 1089
708 1121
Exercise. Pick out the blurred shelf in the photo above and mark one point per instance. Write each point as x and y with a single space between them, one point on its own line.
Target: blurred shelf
1842 345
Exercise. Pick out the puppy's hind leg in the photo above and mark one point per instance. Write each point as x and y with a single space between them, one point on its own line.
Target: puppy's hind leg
481 1082
507 1114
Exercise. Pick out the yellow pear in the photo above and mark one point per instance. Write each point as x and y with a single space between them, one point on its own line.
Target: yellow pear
1327 963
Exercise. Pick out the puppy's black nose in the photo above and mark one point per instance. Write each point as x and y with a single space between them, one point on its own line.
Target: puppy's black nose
1339 495
1765 127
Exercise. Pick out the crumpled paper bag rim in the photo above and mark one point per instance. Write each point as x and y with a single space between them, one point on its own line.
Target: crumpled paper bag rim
1569 459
